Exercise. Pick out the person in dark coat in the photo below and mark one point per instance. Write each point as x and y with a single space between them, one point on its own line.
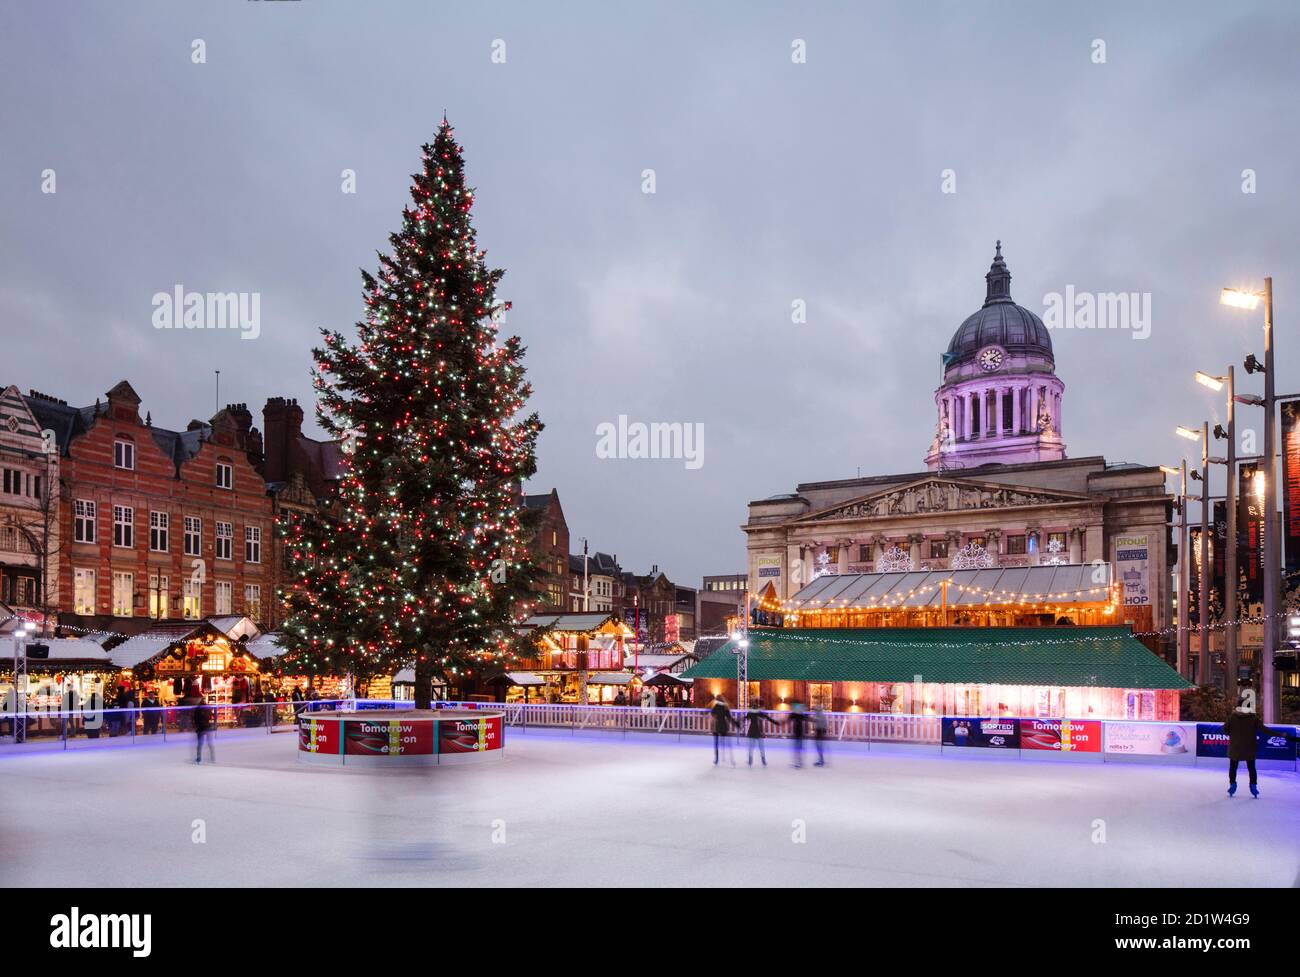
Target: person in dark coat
754 732
203 731
1243 728
821 727
798 720
722 725
151 714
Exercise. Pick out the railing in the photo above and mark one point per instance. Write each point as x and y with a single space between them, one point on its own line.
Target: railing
145 724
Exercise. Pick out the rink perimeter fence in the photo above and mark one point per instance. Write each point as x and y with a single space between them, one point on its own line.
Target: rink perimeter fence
1080 740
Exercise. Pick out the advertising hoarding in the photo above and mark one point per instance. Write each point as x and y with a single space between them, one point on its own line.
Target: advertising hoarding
1150 739
1061 735
1211 741
988 733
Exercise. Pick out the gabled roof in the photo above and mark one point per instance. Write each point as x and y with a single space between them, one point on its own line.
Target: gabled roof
1102 657
580 623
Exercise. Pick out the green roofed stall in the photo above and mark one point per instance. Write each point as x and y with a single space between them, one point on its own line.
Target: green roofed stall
962 670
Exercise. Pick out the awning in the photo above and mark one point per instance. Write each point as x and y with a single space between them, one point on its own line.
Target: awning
68 650
668 679
517 678
266 646
609 678
1105 657
1066 583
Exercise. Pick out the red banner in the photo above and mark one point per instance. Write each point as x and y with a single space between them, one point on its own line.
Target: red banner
1061 735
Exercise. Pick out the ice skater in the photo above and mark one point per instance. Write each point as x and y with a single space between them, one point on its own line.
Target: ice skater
203 731
1243 727
820 729
722 724
754 720
798 721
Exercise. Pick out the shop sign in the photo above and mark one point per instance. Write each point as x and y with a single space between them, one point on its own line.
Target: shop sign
1061 735
769 566
1211 741
995 734
1150 739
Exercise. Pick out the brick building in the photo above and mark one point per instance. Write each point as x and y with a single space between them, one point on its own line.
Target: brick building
29 529
549 549
157 524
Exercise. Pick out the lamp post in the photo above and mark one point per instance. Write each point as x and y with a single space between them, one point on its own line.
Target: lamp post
1184 568
20 637
741 650
1203 598
1270 692
1216 383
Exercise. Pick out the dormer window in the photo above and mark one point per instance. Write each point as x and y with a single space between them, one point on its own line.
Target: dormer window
225 475
124 454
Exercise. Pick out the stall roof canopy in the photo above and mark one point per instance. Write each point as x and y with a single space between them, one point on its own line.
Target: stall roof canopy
1066 583
266 645
576 623
1105 657
71 649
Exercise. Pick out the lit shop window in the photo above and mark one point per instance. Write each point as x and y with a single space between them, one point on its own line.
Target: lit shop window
222 597
123 592
83 591
191 600
253 600
157 596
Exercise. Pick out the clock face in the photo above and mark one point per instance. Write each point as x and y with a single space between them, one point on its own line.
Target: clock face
990 359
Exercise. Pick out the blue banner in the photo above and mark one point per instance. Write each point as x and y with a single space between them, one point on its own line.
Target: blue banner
1212 741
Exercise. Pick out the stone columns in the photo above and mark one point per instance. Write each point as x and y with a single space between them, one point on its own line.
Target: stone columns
793 554
967 415
1076 545
844 556
1015 410
914 549
1032 424
953 537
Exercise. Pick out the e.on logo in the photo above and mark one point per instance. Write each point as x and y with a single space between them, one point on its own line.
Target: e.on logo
116 931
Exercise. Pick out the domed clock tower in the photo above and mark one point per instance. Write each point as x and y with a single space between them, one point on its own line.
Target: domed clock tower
1000 401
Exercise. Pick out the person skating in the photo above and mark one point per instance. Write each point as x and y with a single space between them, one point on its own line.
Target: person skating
203 731
1242 727
722 725
754 720
820 729
798 721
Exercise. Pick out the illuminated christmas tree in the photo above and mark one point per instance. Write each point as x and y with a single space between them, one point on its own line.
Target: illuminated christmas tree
425 561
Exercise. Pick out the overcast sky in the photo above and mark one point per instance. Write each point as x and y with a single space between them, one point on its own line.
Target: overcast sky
775 182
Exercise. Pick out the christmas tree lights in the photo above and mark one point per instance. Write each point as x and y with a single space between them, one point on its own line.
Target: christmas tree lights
423 560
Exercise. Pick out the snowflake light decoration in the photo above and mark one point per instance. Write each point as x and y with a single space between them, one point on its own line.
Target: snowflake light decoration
894 560
1056 548
972 556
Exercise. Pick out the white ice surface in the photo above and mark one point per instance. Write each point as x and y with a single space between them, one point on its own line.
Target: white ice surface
592 809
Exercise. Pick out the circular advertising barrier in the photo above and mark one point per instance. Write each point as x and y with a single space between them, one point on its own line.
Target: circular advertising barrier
401 737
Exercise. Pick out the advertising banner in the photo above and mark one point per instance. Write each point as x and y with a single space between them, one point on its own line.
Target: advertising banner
1291 484
994 734
1132 562
1061 735
769 566
469 735
1211 741
1150 739
387 737
318 736
1250 527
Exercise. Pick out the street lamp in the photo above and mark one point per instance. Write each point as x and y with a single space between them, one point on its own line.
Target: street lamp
1184 560
1203 597
741 651
1247 299
1216 383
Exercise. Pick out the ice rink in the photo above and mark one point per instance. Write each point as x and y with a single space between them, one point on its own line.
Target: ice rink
592 809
